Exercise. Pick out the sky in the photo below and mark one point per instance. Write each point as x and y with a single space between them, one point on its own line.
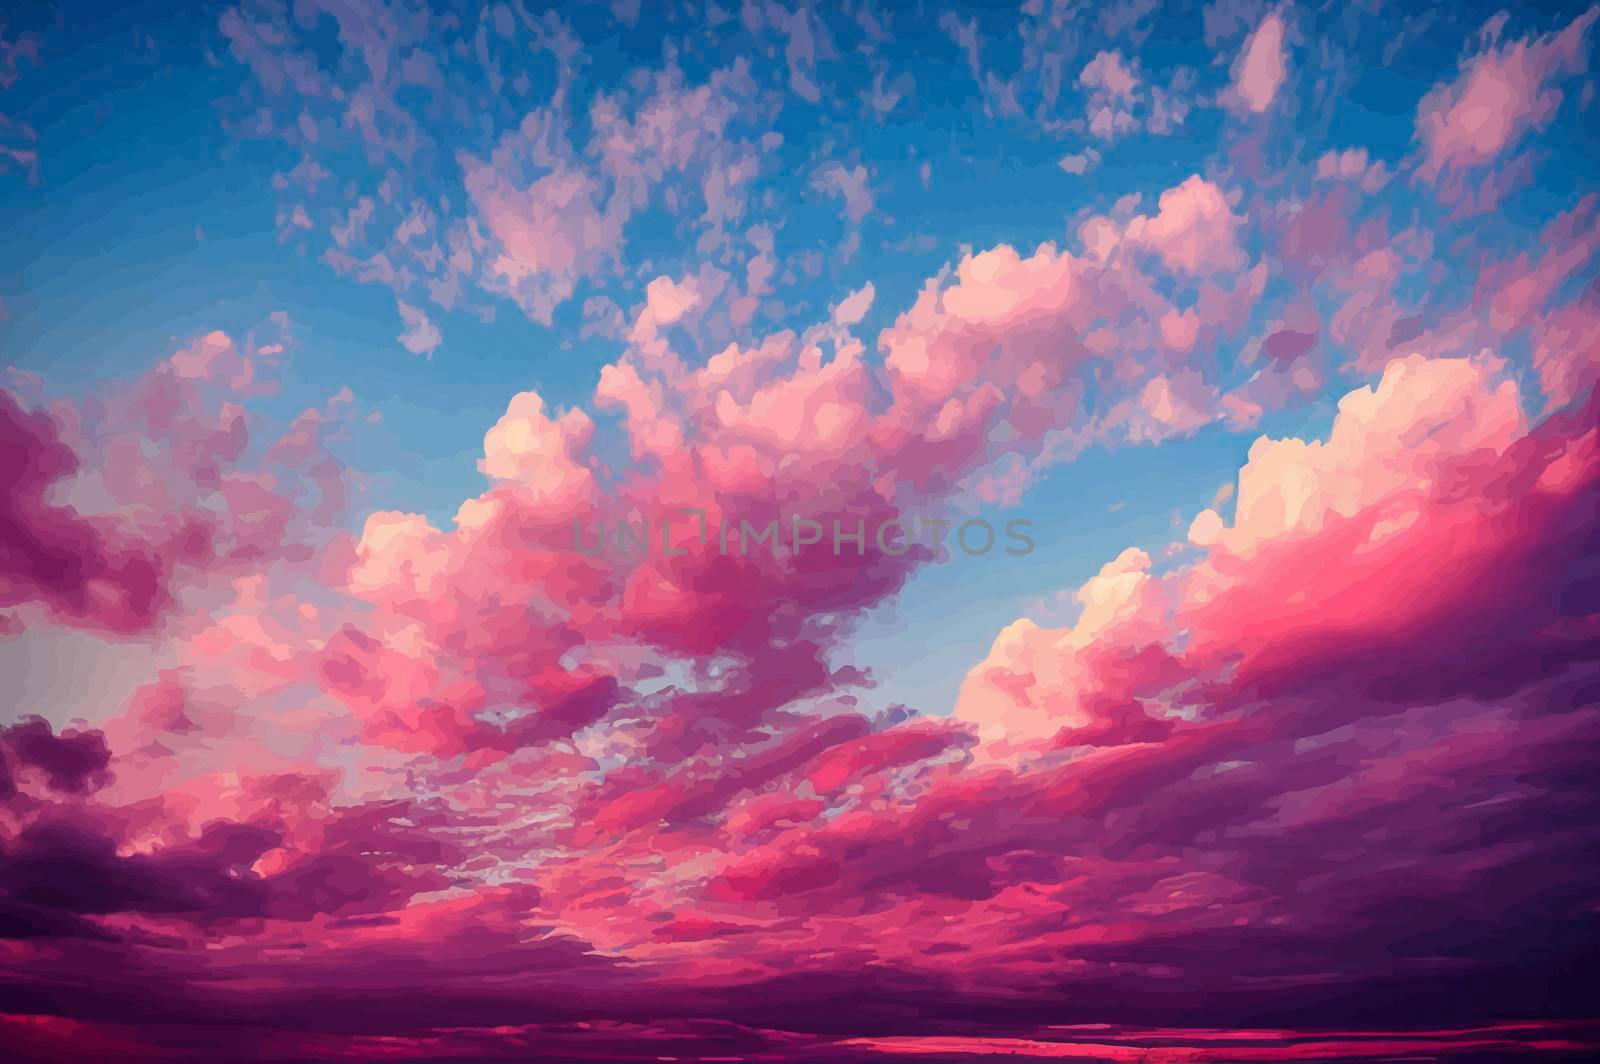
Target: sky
343 343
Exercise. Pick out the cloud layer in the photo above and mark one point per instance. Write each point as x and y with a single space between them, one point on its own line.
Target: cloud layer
558 773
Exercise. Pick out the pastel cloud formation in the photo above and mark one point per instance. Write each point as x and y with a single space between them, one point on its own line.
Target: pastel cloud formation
1261 67
1501 95
1194 230
1297 681
526 731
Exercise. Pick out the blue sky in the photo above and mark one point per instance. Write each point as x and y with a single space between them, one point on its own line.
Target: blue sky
324 322
152 215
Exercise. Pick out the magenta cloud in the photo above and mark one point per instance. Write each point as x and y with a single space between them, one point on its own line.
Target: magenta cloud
551 771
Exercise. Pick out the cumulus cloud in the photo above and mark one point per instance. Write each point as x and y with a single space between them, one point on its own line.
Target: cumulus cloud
411 780
544 453
1387 615
1193 230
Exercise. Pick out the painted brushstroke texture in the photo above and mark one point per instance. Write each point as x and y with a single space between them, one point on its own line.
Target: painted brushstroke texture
324 740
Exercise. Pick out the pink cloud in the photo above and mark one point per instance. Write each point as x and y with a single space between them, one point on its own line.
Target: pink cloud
511 772
489 782
1174 405
550 234
1260 70
422 335
1109 73
666 302
1350 165
1113 93
853 307
1194 230
1387 439
1286 683
1564 349
1500 95
543 454
1118 102
847 184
